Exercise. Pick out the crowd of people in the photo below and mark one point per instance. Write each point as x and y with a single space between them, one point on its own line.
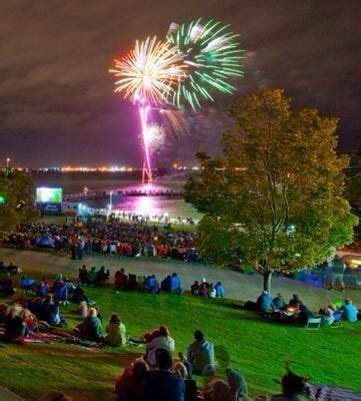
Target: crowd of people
204 289
158 375
295 310
114 237
173 381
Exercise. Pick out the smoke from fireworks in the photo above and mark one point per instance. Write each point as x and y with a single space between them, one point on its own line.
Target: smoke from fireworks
154 136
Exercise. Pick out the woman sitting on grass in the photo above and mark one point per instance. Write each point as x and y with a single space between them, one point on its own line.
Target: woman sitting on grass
116 331
160 340
91 328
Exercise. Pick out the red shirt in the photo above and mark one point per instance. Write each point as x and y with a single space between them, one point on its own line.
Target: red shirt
129 388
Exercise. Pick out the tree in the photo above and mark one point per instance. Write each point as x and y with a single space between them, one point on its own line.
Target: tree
353 187
273 197
16 200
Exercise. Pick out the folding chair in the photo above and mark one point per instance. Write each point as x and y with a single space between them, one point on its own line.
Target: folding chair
313 323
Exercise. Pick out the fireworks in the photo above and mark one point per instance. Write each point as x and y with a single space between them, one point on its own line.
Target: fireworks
150 73
213 56
197 61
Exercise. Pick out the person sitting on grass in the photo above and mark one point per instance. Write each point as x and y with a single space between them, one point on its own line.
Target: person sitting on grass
195 288
55 317
70 286
212 291
115 331
79 295
171 284
102 276
93 275
161 340
200 354
219 290
91 328
46 309
264 301
295 301
42 289
83 275
217 390
161 384
14 325
237 385
151 285
190 386
129 386
203 290
349 311
60 290
303 314
120 280
293 386
278 302
7 285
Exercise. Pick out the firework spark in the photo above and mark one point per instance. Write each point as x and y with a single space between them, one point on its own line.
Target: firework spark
150 73
213 55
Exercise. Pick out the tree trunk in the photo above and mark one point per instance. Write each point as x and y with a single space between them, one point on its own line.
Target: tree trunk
267 276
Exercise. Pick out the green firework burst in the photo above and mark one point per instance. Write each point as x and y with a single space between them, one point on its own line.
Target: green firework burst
213 55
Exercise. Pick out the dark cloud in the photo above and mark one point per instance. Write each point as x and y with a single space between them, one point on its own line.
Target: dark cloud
56 98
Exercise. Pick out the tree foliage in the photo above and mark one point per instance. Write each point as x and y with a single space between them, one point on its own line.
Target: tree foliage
17 200
274 196
353 187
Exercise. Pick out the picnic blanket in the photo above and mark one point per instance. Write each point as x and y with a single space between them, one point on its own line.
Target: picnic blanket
330 393
54 336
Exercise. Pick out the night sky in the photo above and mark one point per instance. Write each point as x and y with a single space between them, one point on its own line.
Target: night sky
56 97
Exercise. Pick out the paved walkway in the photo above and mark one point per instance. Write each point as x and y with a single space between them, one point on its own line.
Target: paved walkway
237 286
7 395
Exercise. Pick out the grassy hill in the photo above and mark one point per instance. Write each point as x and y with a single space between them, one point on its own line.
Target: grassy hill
242 340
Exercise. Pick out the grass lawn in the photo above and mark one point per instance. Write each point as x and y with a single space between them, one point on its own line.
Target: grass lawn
242 340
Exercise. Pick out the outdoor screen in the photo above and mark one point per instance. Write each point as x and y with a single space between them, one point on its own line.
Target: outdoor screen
49 195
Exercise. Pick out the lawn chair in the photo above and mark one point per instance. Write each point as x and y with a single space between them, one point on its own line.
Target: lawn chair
313 323
27 285
337 323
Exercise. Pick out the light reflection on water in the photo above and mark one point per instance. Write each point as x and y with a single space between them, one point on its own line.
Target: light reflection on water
154 205
148 205
157 205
